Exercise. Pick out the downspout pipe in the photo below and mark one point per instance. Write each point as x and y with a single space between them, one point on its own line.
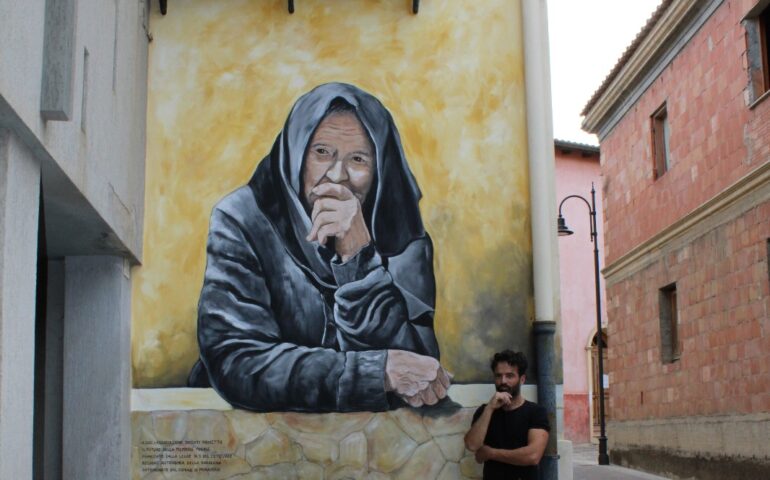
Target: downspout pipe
543 214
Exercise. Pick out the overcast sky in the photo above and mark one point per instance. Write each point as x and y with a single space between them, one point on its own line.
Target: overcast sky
587 37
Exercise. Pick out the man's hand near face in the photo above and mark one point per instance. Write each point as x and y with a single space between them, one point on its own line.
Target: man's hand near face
500 399
338 213
474 439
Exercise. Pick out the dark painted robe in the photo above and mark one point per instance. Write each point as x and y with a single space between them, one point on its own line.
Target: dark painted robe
282 323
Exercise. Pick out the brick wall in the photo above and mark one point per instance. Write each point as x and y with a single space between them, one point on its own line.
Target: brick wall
722 274
724 305
715 138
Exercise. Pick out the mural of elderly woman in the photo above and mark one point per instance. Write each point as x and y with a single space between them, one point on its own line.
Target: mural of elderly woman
319 290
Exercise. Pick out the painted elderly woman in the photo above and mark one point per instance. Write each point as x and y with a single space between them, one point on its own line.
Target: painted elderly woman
319 290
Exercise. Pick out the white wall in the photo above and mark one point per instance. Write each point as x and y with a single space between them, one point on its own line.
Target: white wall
19 199
97 342
99 156
91 167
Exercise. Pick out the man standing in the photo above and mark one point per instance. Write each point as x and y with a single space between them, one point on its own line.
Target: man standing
509 434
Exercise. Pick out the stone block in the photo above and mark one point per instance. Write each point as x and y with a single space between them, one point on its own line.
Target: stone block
169 425
141 428
470 468
377 476
310 471
211 425
318 448
441 423
339 425
271 448
410 422
452 446
353 450
247 426
451 470
348 473
233 466
282 471
388 446
425 463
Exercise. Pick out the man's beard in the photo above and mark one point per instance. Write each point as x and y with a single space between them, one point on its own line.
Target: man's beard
513 390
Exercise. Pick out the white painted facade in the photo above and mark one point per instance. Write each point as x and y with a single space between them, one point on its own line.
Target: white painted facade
73 89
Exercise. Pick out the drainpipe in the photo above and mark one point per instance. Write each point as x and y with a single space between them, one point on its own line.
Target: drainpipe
543 211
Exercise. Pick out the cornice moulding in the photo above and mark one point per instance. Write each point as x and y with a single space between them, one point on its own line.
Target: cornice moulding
757 181
657 41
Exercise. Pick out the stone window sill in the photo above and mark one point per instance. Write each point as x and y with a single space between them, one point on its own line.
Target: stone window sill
759 100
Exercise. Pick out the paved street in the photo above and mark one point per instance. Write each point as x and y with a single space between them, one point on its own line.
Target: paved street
584 467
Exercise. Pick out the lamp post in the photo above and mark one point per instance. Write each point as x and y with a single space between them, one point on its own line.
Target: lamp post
604 459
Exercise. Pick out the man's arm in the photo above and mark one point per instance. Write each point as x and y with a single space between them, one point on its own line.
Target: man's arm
474 439
537 439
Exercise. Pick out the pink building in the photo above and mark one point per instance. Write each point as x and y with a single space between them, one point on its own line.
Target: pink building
577 167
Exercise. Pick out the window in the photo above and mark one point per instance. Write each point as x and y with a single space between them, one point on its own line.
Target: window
669 324
757 24
764 35
767 259
660 141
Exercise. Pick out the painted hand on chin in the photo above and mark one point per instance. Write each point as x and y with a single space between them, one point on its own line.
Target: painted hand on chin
337 213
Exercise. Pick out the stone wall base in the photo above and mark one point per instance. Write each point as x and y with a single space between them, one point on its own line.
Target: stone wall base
702 448
408 444
677 465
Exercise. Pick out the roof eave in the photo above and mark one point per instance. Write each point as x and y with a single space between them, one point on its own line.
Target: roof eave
657 39
576 146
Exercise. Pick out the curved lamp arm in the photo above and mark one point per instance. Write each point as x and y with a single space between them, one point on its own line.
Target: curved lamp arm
591 210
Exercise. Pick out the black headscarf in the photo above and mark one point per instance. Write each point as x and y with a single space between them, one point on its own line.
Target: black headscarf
395 216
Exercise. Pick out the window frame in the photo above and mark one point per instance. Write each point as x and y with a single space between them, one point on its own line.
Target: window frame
767 260
670 340
757 26
763 20
660 130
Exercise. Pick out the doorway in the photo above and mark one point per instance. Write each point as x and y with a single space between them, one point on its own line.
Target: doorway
595 430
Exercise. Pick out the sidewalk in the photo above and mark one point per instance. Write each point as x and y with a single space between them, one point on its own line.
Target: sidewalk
585 467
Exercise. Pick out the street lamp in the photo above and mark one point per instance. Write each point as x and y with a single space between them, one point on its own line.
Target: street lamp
604 459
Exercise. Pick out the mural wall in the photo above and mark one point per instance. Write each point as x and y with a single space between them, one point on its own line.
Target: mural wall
429 148
336 226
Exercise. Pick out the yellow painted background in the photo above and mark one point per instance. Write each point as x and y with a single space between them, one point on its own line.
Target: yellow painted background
223 76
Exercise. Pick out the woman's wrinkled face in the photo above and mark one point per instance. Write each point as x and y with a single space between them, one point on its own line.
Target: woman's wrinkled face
339 152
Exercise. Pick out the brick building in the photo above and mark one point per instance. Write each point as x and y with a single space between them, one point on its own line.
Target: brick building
684 127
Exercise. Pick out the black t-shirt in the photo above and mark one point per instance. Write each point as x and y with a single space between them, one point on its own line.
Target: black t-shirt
509 430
